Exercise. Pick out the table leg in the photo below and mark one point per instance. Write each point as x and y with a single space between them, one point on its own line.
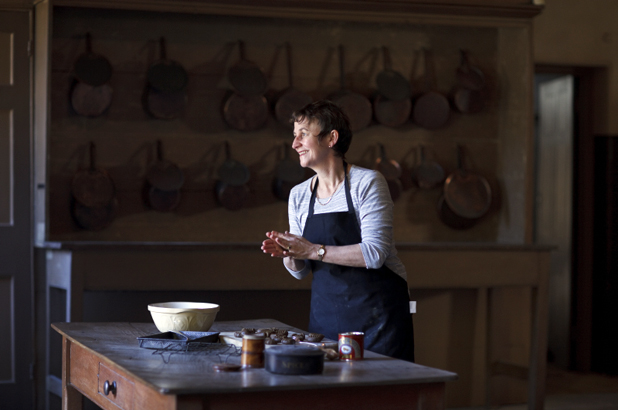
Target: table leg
71 398
538 349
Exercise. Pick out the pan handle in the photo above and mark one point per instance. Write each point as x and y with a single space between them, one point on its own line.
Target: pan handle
162 49
288 51
460 165
421 149
464 59
92 150
430 76
341 67
386 58
382 152
241 50
228 154
159 150
88 43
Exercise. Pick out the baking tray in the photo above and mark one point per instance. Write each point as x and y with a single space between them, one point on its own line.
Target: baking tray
170 339
229 338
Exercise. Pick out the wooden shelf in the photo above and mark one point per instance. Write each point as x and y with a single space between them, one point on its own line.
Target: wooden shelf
359 10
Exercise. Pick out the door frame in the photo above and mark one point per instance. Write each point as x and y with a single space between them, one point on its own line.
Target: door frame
590 108
17 268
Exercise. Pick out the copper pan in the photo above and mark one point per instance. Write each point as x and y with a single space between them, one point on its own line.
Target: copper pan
91 68
427 173
166 75
291 99
93 186
356 106
467 193
431 109
232 197
391 84
89 100
164 174
387 167
246 77
245 112
95 218
289 173
163 201
451 219
233 172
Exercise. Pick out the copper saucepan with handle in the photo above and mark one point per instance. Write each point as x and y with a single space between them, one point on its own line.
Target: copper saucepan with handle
233 172
246 77
392 104
432 109
165 179
246 108
92 186
391 84
291 99
91 68
427 173
469 76
356 106
468 95
231 190
289 174
391 171
166 75
164 174
387 167
451 219
95 218
91 93
467 193
165 95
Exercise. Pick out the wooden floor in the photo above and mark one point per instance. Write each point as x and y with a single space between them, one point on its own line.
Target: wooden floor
574 391
561 382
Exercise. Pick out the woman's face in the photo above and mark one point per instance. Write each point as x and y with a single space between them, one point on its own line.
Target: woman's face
311 151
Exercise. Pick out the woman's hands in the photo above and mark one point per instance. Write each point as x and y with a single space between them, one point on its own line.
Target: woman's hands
285 244
296 249
293 248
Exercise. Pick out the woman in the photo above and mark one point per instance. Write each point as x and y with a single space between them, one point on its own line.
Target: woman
341 230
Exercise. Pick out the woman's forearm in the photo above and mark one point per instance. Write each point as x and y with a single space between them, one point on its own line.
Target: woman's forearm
348 255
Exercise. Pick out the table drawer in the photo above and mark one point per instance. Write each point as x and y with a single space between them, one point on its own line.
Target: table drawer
115 388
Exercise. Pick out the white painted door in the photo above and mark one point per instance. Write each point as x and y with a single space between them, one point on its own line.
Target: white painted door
16 264
554 203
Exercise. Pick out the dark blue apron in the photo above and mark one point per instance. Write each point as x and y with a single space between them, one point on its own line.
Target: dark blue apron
349 299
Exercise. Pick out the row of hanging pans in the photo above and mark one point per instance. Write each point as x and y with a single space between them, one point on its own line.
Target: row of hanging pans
466 196
248 104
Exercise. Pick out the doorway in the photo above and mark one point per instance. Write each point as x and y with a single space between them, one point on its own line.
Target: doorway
564 177
554 145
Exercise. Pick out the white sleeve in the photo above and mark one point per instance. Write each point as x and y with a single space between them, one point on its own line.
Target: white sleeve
296 229
376 220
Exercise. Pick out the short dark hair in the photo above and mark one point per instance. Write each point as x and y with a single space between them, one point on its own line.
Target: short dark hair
329 117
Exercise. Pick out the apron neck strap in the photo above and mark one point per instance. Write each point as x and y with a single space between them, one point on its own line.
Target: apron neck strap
348 195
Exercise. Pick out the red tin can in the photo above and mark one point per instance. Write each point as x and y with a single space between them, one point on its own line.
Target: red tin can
351 345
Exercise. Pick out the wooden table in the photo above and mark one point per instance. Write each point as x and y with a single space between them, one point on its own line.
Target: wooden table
94 353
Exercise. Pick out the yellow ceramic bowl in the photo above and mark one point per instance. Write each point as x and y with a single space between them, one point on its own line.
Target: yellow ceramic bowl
183 316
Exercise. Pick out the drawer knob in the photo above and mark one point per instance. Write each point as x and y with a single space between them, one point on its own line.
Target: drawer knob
109 387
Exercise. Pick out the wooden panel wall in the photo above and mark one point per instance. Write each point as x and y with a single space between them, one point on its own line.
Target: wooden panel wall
7 342
6 169
205 46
